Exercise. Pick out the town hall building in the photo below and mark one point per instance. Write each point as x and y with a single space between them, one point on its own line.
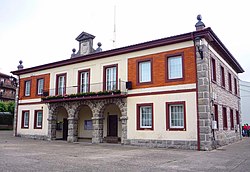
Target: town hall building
175 92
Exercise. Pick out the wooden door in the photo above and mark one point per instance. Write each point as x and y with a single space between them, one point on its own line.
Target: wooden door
112 125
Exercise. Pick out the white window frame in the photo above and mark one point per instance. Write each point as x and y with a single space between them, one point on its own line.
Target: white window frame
26 119
40 86
27 88
181 116
175 68
84 82
145 71
111 82
148 116
61 84
37 119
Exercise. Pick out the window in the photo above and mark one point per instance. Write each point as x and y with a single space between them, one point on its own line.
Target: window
237 118
222 76
224 113
40 84
175 67
145 116
216 115
110 77
235 87
175 116
25 119
232 119
84 81
38 119
87 124
61 84
27 88
145 71
213 69
230 81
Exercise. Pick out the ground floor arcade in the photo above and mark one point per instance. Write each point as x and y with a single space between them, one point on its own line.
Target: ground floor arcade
97 120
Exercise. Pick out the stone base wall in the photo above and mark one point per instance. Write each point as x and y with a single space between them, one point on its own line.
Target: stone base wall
225 138
177 144
35 137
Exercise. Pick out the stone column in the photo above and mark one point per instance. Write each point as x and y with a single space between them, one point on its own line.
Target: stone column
97 133
51 125
72 130
204 101
124 119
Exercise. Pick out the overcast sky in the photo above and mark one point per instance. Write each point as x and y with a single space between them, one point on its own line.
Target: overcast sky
44 31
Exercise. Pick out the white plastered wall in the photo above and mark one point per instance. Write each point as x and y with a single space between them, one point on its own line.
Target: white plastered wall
111 110
159 107
96 66
84 114
96 76
31 130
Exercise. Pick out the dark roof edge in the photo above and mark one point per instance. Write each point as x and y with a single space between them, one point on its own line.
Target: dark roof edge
5 75
212 38
122 50
206 33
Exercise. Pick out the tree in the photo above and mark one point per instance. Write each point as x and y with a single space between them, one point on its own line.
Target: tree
7 107
3 107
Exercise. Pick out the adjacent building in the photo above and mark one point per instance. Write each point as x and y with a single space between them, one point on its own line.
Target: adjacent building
245 99
7 87
179 92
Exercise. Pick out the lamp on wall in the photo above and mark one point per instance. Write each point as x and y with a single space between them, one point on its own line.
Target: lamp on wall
199 46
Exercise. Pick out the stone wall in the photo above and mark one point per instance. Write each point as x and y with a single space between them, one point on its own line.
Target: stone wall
177 144
210 138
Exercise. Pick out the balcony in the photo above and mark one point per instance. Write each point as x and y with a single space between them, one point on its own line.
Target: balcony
86 92
7 96
9 85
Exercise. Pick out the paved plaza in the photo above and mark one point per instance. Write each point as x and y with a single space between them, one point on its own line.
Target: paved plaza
21 154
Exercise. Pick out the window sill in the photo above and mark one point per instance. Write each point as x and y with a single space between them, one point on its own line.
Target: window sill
145 129
176 129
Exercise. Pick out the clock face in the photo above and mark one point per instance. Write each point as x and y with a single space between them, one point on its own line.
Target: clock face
84 48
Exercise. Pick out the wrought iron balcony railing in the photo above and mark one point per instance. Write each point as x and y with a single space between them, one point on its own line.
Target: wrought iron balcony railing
86 90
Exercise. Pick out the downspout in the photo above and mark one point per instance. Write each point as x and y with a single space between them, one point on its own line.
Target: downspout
197 109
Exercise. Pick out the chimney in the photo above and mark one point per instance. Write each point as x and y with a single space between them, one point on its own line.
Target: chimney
199 25
20 66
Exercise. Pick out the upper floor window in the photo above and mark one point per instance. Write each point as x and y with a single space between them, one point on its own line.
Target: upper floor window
27 88
110 77
230 81
145 116
40 86
237 117
61 84
235 87
224 115
175 67
222 72
213 69
84 81
25 119
216 118
38 119
145 71
176 117
232 118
